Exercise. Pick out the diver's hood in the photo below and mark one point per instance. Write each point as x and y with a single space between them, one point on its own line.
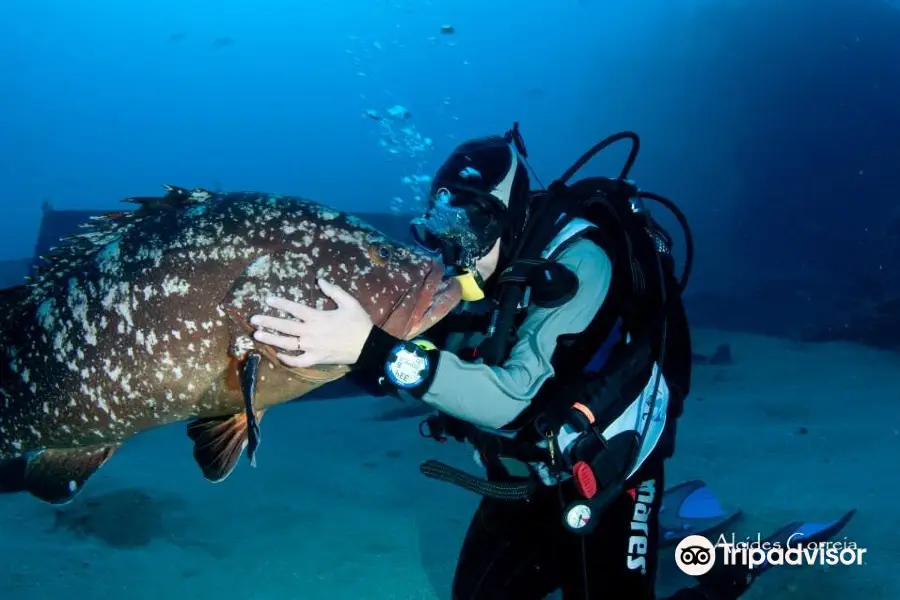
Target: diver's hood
470 201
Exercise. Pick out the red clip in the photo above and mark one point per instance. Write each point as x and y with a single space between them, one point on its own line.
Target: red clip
468 354
584 479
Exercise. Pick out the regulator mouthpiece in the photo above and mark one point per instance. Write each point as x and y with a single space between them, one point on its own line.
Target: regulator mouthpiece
469 286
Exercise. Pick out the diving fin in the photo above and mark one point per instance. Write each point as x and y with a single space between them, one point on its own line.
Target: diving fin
691 508
800 533
729 581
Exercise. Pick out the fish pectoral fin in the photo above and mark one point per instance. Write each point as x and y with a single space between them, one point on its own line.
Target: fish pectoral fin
58 475
219 443
249 379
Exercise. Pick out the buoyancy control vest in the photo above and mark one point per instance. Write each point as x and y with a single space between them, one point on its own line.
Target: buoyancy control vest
604 377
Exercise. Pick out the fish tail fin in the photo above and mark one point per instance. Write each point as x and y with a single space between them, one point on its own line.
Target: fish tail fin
54 475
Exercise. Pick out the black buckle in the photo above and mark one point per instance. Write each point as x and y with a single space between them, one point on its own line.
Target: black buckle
514 136
440 428
433 428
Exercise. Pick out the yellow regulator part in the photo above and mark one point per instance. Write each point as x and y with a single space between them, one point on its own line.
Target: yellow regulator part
471 291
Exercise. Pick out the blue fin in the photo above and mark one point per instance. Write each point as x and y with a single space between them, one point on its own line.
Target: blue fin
691 508
801 533
729 581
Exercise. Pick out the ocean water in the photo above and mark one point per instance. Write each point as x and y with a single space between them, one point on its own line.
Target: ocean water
772 124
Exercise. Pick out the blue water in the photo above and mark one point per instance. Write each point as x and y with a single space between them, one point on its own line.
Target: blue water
772 123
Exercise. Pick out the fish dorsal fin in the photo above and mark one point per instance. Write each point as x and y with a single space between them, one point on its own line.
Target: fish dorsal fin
99 232
175 198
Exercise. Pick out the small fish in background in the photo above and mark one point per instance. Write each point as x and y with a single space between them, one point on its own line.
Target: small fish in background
222 42
177 37
373 114
448 30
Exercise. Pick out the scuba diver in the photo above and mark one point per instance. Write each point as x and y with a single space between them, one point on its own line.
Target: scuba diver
566 368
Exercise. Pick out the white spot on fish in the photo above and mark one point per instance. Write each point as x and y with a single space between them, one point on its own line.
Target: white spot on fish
260 267
175 285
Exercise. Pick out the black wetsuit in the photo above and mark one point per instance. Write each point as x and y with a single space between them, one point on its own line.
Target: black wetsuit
521 551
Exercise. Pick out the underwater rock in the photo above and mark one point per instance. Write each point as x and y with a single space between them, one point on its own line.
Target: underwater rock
877 324
721 357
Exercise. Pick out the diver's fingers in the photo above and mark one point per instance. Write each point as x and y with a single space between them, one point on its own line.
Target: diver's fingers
303 361
285 326
295 309
337 293
284 342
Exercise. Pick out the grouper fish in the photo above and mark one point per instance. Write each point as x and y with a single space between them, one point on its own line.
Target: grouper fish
142 319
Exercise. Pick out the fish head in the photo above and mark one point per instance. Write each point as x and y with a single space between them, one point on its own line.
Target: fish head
403 289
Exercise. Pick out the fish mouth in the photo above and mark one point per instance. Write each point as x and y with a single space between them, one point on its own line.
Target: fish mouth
443 287
439 296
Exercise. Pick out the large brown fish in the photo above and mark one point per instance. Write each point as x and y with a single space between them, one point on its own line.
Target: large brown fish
142 320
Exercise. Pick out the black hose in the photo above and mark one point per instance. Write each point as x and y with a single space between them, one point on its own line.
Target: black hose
626 169
602 145
498 490
688 236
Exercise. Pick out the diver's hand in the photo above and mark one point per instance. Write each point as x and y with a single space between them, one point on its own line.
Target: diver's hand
326 337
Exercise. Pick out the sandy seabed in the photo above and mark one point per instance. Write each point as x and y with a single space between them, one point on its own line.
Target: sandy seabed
338 510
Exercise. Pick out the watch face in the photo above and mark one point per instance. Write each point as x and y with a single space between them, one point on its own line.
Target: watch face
407 368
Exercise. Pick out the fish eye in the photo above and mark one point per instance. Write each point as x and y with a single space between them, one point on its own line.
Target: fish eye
380 253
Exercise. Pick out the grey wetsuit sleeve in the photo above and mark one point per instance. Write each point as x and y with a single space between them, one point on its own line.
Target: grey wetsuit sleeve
493 396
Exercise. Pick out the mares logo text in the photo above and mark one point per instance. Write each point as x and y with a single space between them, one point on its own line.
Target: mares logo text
638 542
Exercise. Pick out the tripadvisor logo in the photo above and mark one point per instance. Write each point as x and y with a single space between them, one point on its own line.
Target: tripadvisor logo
696 555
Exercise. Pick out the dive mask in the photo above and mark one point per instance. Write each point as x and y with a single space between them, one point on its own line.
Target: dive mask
461 224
